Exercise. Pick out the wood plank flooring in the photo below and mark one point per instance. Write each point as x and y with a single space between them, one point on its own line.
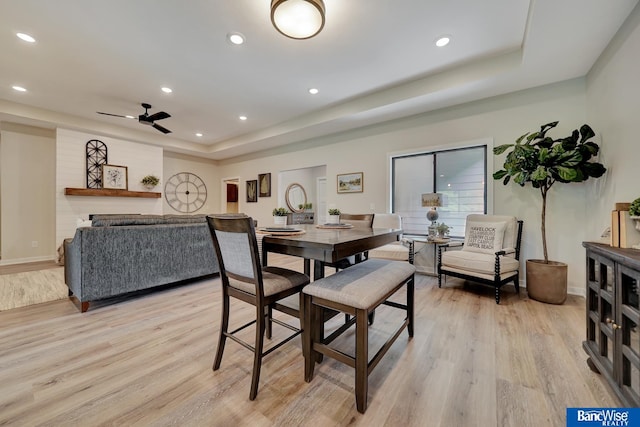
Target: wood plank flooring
147 360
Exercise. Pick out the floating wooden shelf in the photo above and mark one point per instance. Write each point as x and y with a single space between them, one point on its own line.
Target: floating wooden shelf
104 192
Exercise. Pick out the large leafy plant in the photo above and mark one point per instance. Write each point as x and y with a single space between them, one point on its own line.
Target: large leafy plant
543 161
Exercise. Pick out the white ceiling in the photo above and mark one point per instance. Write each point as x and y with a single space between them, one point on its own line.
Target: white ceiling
375 60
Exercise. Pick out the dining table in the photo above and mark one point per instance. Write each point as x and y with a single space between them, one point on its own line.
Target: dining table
324 245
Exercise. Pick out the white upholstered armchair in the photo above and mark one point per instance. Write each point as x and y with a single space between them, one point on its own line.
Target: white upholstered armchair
489 255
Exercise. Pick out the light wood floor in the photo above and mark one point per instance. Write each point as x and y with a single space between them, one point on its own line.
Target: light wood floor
147 361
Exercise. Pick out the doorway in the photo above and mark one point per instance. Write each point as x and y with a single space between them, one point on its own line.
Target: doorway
230 187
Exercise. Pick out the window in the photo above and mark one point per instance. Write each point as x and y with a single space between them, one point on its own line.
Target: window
460 174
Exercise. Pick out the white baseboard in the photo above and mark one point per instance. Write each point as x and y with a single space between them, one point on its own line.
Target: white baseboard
27 260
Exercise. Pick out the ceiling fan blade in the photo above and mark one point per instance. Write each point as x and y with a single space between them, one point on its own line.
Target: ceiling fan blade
158 116
109 114
161 129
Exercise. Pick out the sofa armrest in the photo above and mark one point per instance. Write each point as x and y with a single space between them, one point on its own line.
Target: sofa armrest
506 251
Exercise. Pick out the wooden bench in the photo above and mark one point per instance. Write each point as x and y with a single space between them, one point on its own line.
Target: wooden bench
356 291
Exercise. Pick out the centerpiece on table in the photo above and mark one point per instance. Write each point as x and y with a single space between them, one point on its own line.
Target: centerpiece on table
334 216
280 216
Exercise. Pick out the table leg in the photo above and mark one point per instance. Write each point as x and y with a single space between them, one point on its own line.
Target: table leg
318 269
307 267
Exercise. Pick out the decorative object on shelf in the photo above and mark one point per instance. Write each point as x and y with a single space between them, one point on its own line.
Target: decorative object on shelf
264 184
252 191
295 196
115 177
297 19
543 161
334 216
351 182
308 207
634 211
433 200
185 192
150 181
96 156
280 216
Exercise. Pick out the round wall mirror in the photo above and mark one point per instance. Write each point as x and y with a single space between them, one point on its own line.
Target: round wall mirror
295 196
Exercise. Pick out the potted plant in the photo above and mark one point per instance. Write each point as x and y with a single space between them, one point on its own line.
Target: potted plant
443 230
280 216
543 161
308 207
150 181
334 216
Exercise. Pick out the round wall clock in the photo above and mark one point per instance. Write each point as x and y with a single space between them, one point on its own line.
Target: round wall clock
185 192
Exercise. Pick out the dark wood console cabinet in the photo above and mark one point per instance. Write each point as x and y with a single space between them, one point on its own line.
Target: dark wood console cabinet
613 318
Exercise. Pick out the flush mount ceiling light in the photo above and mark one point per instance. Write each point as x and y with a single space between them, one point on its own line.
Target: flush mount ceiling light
443 41
26 37
298 19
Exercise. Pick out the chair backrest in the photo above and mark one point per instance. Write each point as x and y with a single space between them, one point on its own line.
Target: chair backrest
358 220
386 220
234 239
490 233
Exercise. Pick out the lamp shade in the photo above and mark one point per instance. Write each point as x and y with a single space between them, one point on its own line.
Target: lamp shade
434 200
298 19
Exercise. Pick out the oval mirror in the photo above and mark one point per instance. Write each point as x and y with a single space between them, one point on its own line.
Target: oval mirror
295 196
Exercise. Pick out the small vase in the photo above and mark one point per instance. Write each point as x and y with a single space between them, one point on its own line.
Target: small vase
280 220
334 219
637 220
149 187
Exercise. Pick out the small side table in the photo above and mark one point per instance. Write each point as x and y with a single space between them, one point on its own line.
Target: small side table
433 243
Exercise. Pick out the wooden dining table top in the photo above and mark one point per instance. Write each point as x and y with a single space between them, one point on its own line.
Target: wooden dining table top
329 245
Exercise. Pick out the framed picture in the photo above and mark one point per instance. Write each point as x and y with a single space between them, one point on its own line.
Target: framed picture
252 191
114 177
264 185
351 182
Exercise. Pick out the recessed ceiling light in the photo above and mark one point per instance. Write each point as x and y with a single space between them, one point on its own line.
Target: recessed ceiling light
313 91
167 89
198 134
243 118
443 41
235 38
19 88
26 37
130 117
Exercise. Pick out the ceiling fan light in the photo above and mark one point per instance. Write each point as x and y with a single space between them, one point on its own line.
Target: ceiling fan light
298 19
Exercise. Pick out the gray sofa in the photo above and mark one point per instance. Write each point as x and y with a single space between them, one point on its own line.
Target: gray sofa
125 253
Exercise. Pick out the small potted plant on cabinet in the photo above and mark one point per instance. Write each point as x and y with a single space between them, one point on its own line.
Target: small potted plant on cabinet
334 216
280 216
634 212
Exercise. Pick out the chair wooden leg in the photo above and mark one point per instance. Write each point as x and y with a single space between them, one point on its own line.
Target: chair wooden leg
257 357
362 359
372 317
269 326
224 327
497 294
516 283
439 280
410 301
308 338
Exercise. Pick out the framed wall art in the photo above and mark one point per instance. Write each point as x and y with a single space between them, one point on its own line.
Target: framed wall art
252 191
351 182
114 177
264 185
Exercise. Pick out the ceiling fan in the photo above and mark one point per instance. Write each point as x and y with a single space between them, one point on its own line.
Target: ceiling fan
145 118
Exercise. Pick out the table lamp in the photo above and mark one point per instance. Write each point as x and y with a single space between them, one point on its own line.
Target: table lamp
434 200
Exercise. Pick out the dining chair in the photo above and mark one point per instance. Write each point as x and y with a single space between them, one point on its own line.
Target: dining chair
358 221
402 250
244 278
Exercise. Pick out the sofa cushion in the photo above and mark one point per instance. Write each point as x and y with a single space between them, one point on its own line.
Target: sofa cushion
394 251
478 262
484 237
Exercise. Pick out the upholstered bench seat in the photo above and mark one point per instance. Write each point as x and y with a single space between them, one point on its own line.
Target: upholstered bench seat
357 291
